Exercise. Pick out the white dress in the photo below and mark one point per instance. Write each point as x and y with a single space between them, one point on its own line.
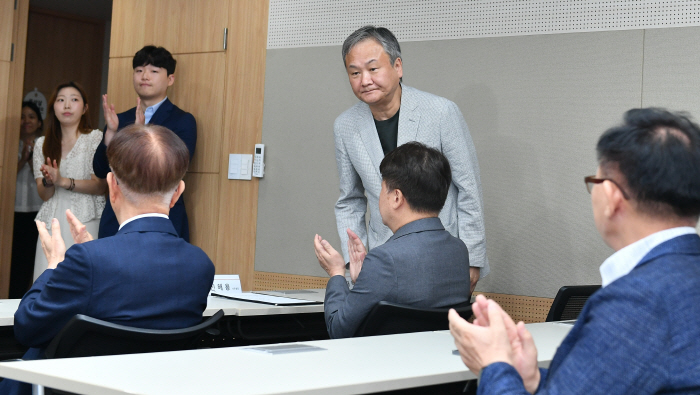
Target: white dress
27 198
87 208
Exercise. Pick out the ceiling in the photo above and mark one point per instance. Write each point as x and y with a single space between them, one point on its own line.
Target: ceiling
98 9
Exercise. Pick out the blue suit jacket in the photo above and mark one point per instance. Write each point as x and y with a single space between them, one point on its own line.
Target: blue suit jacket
638 335
182 124
421 265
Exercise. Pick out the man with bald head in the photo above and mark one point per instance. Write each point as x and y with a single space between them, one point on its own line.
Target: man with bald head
144 276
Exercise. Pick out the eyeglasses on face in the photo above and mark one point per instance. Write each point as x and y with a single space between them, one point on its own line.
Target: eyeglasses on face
591 180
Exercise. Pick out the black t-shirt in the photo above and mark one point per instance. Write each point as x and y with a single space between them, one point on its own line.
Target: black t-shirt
388 132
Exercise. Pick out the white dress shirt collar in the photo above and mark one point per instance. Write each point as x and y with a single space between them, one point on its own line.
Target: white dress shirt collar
623 261
142 216
152 110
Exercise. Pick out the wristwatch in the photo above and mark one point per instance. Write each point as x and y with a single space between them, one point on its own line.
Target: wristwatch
46 184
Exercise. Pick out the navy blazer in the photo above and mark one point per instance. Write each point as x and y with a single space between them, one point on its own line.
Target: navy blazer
421 265
145 276
638 335
182 124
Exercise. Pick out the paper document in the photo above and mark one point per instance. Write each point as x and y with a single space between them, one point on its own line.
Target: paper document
285 348
266 299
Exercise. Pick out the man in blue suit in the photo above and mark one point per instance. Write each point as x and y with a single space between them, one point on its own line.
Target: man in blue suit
639 333
421 265
145 276
154 72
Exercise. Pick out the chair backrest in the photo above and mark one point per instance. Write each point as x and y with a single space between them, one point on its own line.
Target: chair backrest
388 318
569 302
85 336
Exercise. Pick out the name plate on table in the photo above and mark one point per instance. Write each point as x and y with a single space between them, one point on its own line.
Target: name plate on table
227 284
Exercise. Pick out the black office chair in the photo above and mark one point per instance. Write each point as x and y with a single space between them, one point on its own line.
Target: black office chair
569 302
388 318
85 336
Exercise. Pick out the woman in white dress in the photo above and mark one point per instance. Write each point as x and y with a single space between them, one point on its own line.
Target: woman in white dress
63 167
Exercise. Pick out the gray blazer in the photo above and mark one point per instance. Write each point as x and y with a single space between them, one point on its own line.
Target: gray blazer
433 121
422 265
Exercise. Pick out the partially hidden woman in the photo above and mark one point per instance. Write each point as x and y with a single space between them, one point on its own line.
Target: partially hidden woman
63 167
27 203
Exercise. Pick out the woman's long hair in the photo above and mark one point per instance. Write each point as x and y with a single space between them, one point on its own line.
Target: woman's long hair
54 134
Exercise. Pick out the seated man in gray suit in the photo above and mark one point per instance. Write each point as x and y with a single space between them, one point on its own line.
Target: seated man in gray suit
388 115
421 265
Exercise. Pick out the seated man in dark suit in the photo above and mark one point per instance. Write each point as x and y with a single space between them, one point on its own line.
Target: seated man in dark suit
154 72
639 333
421 265
145 276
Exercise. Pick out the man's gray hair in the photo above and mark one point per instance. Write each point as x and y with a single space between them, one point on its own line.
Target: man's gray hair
136 198
381 34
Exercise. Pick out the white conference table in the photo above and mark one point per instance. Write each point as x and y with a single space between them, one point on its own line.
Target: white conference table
7 311
8 307
248 322
245 309
345 366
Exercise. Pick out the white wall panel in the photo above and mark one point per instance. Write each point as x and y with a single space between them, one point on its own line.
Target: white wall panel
299 23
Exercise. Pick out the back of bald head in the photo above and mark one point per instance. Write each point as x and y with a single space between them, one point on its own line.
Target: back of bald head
148 160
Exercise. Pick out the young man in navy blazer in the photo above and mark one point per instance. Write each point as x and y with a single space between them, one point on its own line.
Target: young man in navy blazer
145 276
639 333
154 72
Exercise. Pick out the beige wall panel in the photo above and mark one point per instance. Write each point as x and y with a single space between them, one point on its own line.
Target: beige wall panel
245 88
276 281
522 308
203 97
8 169
62 48
7 14
201 192
181 26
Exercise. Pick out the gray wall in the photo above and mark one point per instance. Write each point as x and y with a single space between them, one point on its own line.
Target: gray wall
535 106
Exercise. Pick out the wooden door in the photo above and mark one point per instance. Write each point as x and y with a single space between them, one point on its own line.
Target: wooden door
181 26
194 33
13 30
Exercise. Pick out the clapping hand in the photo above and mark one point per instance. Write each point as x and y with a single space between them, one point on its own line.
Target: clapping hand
140 113
111 119
51 171
494 337
27 152
77 229
53 245
357 253
329 259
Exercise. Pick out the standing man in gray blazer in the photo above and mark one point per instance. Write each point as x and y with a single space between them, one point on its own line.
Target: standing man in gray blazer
388 115
421 265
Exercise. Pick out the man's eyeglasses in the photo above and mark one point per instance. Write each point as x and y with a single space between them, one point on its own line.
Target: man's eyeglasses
591 180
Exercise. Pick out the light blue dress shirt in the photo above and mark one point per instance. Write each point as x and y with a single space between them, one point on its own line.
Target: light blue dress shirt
152 110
